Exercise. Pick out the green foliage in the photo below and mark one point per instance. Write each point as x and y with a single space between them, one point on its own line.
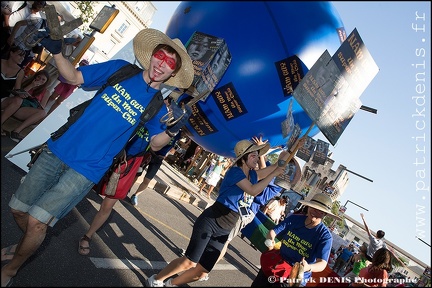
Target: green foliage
328 221
272 158
87 14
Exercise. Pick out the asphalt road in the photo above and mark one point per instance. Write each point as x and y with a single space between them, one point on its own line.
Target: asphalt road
135 243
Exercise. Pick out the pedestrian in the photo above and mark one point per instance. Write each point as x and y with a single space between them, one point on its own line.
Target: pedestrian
212 227
343 258
304 238
28 106
63 90
153 166
73 163
27 26
375 243
12 74
214 176
259 200
376 274
360 262
275 208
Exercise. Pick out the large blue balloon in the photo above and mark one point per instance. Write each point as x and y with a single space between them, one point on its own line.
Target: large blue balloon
258 35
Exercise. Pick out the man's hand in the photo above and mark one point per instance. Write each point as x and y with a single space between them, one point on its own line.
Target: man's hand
178 113
53 46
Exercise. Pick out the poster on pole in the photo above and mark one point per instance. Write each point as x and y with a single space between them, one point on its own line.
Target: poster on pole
321 151
288 124
295 134
329 93
305 151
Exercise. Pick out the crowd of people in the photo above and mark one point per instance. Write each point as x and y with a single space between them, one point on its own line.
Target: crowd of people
73 163
26 94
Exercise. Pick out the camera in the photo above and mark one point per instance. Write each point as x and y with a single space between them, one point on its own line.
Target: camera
244 212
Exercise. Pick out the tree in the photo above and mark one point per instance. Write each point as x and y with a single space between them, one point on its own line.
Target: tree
329 221
87 14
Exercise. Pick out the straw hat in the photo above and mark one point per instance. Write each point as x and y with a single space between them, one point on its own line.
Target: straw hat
146 41
322 202
245 146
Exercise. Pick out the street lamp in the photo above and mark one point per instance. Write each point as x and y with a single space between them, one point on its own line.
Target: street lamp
342 210
423 241
354 204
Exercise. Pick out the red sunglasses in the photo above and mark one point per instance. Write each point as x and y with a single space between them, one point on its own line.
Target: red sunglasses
171 62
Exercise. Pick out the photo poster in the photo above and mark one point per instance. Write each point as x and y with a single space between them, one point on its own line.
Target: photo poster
288 124
321 152
291 175
321 93
305 152
213 72
294 136
356 64
210 58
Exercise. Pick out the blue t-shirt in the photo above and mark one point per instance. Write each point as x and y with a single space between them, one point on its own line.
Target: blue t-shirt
229 193
138 143
299 241
90 144
269 192
346 254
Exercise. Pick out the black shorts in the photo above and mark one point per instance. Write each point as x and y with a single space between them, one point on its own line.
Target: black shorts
207 240
152 167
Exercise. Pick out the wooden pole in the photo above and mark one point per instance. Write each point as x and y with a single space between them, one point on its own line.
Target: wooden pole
297 145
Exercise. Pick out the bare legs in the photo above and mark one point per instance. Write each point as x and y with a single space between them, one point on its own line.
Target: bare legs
193 272
144 184
9 106
34 234
209 191
29 116
100 218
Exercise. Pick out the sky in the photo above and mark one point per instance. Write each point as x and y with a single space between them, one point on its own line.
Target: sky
392 147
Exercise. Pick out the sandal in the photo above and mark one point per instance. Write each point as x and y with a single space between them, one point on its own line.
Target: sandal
8 252
84 250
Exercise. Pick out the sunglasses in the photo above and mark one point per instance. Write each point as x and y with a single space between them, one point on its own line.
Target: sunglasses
171 62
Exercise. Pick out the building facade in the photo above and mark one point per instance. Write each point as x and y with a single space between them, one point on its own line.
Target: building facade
132 17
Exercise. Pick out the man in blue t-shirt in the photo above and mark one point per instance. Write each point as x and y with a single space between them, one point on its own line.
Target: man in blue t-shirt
72 164
343 258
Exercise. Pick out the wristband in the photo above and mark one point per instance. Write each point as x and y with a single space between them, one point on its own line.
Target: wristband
281 163
170 134
268 243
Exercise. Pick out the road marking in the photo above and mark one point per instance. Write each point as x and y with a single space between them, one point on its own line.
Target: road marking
109 263
163 224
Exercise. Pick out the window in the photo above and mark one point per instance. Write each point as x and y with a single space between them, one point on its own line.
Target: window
123 27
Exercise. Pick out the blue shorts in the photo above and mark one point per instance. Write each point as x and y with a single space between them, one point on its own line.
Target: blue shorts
50 190
207 240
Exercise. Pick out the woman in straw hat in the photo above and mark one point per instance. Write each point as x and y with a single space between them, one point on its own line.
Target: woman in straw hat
304 238
213 226
71 165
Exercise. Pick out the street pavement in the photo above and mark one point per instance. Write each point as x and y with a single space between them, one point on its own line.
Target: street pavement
135 242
